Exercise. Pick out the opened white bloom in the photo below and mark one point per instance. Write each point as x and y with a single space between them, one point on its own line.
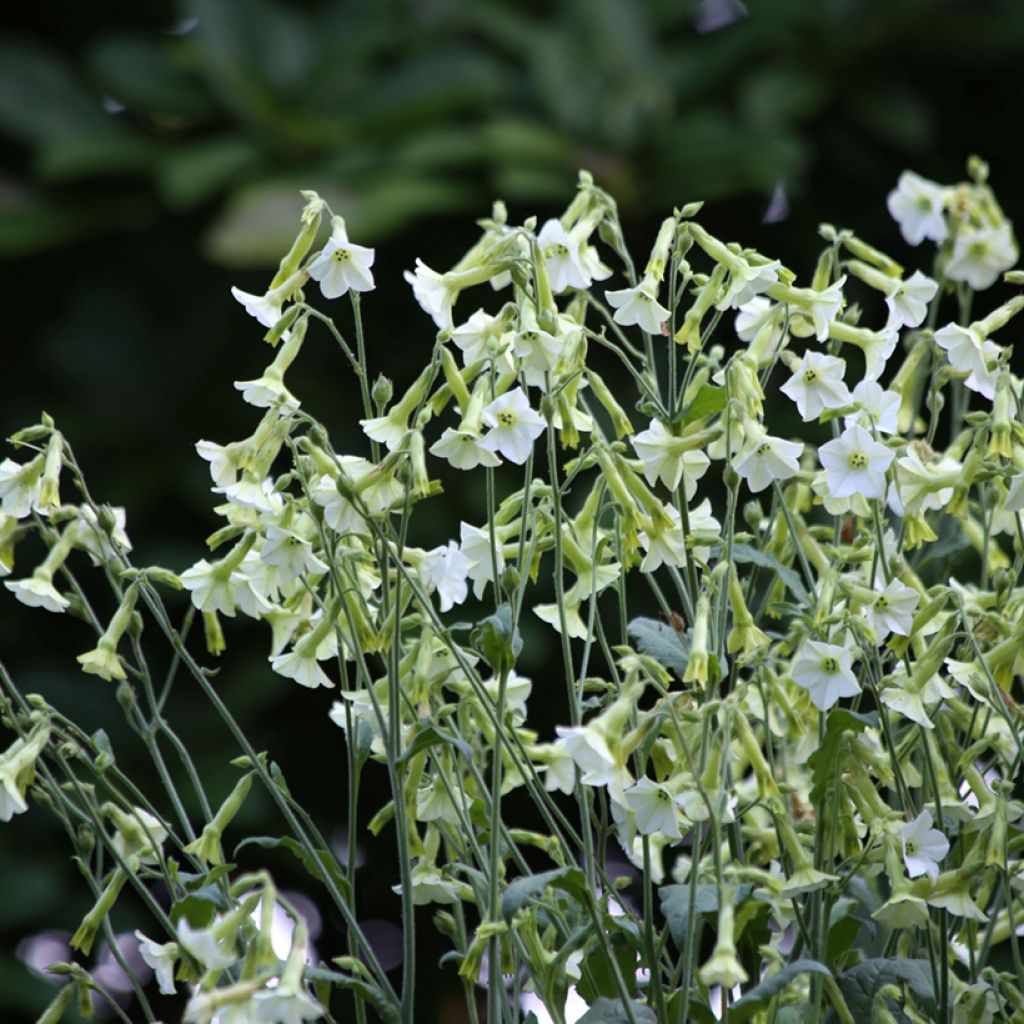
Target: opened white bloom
669 458
980 255
655 810
917 205
38 591
856 464
817 385
479 337
291 554
161 958
908 302
444 569
432 293
746 282
18 769
514 426
342 266
969 352
475 544
765 459
825 672
893 610
923 846
267 391
538 353
222 459
1014 501
210 946
823 307
638 306
756 314
20 486
265 308
922 487
463 449
252 492
878 407
562 254
220 588
587 746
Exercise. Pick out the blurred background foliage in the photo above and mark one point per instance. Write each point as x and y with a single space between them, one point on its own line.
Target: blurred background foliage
151 157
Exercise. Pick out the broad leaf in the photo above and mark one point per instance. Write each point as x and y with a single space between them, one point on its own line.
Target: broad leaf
708 401
328 863
745 553
611 1011
661 642
861 984
675 904
756 998
823 761
522 890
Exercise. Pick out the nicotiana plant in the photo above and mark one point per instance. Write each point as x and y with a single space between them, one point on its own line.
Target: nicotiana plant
812 756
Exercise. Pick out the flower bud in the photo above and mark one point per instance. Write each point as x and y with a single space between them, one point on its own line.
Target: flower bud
381 393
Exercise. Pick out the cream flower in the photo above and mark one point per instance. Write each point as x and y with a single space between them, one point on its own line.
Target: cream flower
980 255
917 205
824 671
514 426
923 846
638 306
856 464
342 266
817 385
765 459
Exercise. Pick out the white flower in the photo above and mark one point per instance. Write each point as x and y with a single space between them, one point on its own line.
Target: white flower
765 458
923 847
139 834
210 949
275 1006
562 255
265 308
917 204
475 544
908 302
654 809
445 569
290 553
463 450
969 352
824 671
478 337
267 391
514 426
639 306
38 591
341 266
877 406
223 467
856 464
752 317
538 353
216 589
823 306
17 770
746 282
666 458
1014 501
921 488
980 255
817 385
893 610
587 746
161 959
20 486
432 293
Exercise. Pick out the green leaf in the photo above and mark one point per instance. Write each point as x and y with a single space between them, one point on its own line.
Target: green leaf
823 761
675 904
384 1007
758 996
326 859
611 1011
430 736
661 642
522 890
744 553
708 401
860 985
497 641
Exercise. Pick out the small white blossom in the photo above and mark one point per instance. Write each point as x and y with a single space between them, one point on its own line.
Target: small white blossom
38 591
475 544
638 306
432 293
216 589
538 353
752 316
824 671
213 951
342 266
267 391
917 205
444 569
265 308
514 426
908 302
893 610
878 407
479 337
817 385
666 458
463 450
291 554
161 958
20 486
823 307
856 464
980 255
765 459
654 809
969 352
923 846
562 254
